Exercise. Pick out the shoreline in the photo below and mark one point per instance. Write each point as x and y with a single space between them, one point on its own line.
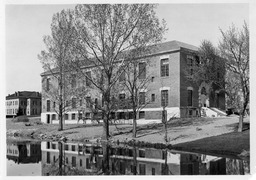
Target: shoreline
183 134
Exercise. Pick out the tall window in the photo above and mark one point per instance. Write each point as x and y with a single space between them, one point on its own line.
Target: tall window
142 70
190 96
190 61
164 98
153 97
164 67
73 103
142 98
88 101
81 102
88 77
47 84
96 102
48 105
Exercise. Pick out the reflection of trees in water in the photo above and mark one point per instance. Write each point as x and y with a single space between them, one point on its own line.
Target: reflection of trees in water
237 166
113 163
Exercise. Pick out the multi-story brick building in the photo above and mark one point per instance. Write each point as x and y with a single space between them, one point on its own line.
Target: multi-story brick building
23 103
168 87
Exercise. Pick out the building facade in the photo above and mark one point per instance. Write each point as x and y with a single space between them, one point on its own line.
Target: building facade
168 88
23 103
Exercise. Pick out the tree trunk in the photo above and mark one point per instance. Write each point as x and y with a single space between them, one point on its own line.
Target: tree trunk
241 117
60 147
105 165
105 134
164 121
134 161
134 131
240 125
61 118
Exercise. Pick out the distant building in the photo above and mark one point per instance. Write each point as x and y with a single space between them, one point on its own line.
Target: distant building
169 87
23 103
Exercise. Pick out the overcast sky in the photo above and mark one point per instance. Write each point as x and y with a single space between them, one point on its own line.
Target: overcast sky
27 24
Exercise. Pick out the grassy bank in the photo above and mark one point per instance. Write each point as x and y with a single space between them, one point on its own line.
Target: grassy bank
214 135
227 144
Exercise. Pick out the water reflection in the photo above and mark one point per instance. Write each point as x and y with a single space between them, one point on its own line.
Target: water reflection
23 158
23 151
56 158
96 159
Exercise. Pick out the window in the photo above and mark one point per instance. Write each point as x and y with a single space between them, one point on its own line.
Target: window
47 84
67 103
73 103
141 114
88 101
142 169
73 147
88 165
96 102
88 77
81 102
164 98
73 116
54 104
164 67
190 93
122 77
53 146
121 96
66 160
66 116
48 105
73 161
54 117
48 160
153 97
81 163
153 171
66 147
142 98
142 70
142 153
48 145
190 61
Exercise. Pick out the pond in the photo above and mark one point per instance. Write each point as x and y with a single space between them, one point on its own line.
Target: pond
33 158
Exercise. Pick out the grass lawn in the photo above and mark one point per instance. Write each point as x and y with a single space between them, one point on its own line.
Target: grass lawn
229 144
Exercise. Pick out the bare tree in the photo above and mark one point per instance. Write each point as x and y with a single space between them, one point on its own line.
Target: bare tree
135 80
106 33
55 61
234 47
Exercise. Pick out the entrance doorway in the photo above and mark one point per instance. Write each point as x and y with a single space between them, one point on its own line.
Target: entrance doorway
48 119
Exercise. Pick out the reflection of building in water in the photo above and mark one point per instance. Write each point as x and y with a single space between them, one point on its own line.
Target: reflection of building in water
23 152
88 159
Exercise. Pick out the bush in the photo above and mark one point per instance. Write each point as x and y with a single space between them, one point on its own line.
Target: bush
20 119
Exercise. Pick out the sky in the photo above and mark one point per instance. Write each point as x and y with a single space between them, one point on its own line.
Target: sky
25 26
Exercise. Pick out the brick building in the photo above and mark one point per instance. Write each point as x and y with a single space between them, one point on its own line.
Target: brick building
168 87
23 103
